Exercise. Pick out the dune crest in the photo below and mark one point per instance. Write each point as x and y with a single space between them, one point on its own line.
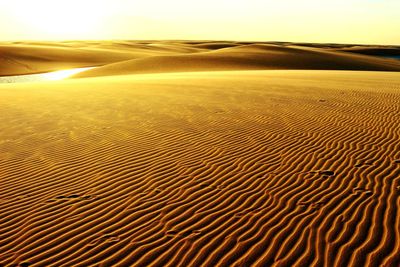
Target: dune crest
247 57
130 57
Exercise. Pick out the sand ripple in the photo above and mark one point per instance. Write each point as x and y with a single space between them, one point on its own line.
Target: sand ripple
262 168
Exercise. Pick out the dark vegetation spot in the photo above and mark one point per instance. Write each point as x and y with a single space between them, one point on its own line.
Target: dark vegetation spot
359 191
362 165
327 172
322 100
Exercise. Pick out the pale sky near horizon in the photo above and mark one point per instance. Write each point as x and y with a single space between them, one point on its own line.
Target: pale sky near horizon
339 21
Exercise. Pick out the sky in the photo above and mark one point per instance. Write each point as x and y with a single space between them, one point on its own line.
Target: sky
324 21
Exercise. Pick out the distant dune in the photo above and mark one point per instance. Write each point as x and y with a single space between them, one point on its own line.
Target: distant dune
241 167
247 57
373 51
26 58
128 57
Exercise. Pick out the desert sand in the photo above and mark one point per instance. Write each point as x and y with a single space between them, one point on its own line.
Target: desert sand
200 154
128 57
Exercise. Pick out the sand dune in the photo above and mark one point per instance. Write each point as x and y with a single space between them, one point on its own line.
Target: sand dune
36 57
247 57
127 57
27 59
373 51
216 45
238 168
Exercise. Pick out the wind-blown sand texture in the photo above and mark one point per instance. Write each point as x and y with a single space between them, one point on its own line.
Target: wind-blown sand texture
218 168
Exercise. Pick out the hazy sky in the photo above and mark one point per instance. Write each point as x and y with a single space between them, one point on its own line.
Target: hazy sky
340 21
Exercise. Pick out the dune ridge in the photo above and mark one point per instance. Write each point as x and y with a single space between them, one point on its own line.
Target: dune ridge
238 168
129 57
37 57
247 57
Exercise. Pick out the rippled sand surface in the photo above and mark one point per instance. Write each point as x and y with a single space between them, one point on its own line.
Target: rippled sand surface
234 168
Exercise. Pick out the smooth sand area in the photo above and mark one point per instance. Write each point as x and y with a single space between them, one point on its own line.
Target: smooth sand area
248 57
235 168
128 57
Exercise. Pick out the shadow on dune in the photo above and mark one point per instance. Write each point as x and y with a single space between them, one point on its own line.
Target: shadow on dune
247 57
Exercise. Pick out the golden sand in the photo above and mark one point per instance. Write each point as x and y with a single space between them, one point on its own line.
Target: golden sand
126 57
221 168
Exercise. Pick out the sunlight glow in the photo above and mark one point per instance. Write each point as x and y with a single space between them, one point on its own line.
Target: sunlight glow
70 19
343 21
62 74
42 77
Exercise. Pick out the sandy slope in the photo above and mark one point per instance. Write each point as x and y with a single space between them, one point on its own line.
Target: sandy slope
270 168
374 50
35 57
126 57
245 57
26 59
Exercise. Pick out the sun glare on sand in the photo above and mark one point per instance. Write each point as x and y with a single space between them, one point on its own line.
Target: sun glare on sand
60 19
62 74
